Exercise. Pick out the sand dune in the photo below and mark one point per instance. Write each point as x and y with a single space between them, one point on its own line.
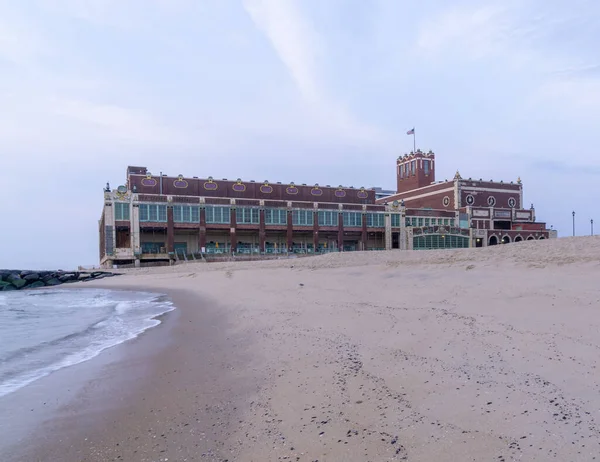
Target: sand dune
475 354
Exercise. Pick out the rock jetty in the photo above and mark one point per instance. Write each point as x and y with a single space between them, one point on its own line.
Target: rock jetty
22 279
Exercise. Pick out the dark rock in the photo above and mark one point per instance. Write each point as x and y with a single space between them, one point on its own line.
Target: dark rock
25 279
67 277
46 276
15 280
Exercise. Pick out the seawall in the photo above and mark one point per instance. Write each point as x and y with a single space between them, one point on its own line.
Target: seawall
26 279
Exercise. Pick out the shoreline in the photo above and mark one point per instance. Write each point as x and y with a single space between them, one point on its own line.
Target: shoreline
355 358
83 411
48 370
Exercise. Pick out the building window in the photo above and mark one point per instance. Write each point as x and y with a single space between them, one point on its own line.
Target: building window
275 216
426 221
413 165
491 200
186 214
426 167
329 217
352 219
247 216
375 220
303 217
153 212
121 211
395 220
195 212
153 247
218 215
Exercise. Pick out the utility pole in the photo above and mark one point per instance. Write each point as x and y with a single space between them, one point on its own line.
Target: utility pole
592 225
573 223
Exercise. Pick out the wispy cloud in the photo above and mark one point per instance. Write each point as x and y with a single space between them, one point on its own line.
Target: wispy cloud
301 50
566 168
295 42
474 32
119 122
295 90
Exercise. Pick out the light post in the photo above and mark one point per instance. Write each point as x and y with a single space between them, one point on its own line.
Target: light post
573 223
592 225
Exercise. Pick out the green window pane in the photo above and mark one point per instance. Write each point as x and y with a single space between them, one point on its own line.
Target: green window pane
152 213
162 212
144 212
218 215
328 218
275 216
177 213
247 215
303 217
352 219
121 211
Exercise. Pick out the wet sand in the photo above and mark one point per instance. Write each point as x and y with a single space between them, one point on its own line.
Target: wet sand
176 392
470 355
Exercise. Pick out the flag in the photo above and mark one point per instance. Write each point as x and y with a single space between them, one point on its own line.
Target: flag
411 131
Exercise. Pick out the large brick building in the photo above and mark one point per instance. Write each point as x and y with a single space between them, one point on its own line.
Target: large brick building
161 218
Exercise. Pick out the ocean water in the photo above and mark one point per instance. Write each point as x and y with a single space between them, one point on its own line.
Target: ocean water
42 331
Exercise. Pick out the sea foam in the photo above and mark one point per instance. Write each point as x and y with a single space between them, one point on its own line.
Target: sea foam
45 330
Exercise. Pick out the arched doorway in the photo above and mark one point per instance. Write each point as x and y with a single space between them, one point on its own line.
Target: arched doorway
506 240
530 238
493 240
542 237
518 239
478 242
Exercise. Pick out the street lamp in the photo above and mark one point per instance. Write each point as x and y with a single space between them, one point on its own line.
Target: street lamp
573 223
592 225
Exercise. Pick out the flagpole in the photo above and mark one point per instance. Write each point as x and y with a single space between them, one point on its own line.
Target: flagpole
414 141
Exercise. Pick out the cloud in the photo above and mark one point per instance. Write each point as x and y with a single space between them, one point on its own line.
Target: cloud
571 95
20 42
119 122
129 14
295 42
564 168
475 33
301 50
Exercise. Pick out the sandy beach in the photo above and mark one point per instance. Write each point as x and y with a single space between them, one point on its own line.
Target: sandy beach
462 355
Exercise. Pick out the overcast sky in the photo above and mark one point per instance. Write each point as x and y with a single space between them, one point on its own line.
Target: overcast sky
309 91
